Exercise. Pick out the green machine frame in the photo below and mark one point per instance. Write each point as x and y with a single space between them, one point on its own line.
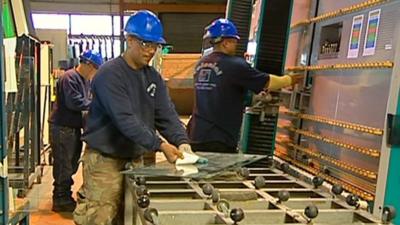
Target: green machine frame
392 186
388 183
259 125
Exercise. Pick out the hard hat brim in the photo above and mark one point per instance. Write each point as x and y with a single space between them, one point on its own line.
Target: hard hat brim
220 38
159 40
90 60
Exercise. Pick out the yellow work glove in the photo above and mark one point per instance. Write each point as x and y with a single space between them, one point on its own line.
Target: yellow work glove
277 82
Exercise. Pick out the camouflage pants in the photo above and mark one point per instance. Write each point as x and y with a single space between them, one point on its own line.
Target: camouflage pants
100 199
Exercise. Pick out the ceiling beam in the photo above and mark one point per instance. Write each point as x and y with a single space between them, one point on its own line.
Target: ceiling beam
176 8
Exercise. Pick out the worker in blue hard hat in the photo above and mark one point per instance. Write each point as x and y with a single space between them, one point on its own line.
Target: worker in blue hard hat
221 83
66 122
130 104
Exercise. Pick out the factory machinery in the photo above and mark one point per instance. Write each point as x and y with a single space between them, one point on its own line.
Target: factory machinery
262 196
331 143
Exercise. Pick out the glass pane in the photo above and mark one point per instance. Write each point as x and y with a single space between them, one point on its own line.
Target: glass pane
91 24
50 21
218 163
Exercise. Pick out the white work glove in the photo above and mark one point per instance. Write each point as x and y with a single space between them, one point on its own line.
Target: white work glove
185 148
189 156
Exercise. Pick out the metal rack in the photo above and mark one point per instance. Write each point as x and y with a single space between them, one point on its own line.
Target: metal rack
23 118
21 213
345 145
3 150
263 196
104 44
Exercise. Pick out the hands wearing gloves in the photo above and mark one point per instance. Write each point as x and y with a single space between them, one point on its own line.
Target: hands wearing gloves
171 152
185 148
189 156
277 82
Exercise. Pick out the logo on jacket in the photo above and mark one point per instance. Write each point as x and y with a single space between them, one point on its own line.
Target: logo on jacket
204 75
151 89
210 66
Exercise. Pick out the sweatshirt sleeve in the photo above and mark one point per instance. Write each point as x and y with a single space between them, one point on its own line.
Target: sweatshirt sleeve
167 119
73 94
111 91
246 76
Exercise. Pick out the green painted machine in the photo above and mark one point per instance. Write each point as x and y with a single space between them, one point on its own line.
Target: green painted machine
264 39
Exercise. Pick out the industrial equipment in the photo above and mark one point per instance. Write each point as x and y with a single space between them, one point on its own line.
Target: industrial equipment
261 196
16 213
332 142
340 124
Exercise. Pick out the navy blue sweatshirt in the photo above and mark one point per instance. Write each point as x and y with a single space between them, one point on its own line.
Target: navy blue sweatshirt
72 97
221 83
128 107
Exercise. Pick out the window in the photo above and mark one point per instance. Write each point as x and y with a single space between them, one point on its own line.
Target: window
91 24
117 23
50 21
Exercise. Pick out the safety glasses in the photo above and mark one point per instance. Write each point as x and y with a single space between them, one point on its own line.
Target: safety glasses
147 45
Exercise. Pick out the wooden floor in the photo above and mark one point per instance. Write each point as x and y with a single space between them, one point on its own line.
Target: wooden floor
40 197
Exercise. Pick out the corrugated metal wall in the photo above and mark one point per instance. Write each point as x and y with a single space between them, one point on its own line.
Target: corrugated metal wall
185 30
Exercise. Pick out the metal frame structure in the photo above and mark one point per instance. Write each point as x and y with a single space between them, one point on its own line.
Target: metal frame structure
23 108
3 131
271 37
380 186
167 200
384 180
20 214
388 184
265 196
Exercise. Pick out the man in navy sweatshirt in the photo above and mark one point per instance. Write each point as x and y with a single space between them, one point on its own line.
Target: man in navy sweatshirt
130 103
221 81
72 98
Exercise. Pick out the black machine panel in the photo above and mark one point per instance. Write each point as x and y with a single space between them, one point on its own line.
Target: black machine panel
273 35
240 13
184 31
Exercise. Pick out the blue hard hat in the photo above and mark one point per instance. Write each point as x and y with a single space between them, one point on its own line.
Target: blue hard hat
146 26
92 57
221 28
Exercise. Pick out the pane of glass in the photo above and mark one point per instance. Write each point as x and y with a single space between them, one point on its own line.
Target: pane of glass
218 163
50 21
91 24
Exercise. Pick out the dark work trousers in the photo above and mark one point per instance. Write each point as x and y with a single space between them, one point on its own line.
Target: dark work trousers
66 146
213 146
